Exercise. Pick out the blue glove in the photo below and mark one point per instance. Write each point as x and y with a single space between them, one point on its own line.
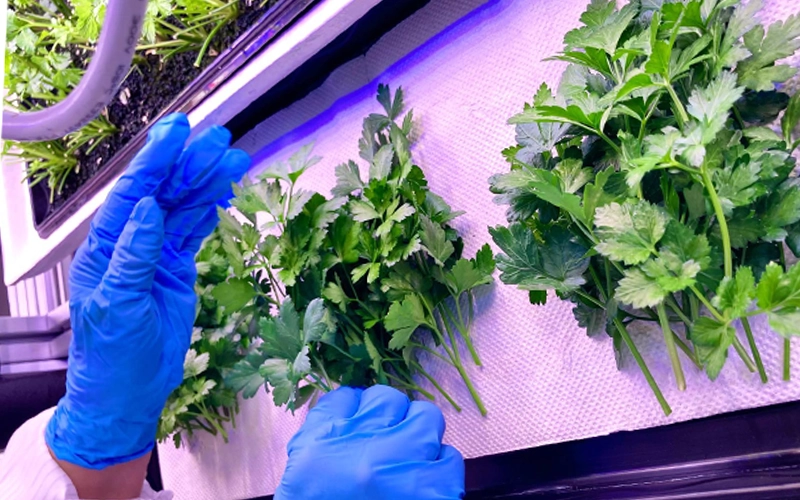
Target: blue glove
132 294
372 445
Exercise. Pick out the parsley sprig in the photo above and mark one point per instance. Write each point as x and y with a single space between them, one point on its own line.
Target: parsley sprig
363 283
649 187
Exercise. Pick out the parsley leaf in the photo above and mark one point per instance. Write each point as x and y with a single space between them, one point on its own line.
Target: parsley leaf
526 264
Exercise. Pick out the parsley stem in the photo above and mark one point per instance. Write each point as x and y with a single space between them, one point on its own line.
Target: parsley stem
689 353
683 117
723 223
460 367
413 387
787 342
642 366
439 388
706 303
463 329
589 298
677 369
743 354
751 340
787 359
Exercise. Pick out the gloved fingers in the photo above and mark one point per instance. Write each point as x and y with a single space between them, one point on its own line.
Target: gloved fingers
217 185
417 437
337 405
332 407
195 164
182 223
147 171
138 250
185 219
441 479
193 242
380 407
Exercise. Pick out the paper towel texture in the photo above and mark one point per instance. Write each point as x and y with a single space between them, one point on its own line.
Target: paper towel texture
466 66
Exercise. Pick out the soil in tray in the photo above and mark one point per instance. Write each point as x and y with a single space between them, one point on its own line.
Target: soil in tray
147 90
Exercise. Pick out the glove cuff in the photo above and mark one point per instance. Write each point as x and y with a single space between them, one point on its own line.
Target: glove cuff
97 441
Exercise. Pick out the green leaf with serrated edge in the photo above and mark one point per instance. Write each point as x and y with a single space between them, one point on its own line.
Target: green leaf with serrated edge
348 179
738 186
758 71
712 339
593 320
735 295
783 205
680 240
234 294
434 241
793 239
333 292
344 235
277 373
228 223
244 376
639 290
558 265
572 175
542 184
304 395
791 118
785 322
711 105
281 334
629 232
595 195
464 276
315 324
374 355
484 260
403 319
363 211
537 297
396 216
297 202
382 163
603 36
778 294
670 272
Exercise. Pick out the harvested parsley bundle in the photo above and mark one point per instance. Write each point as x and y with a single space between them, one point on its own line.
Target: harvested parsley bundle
361 282
222 336
649 186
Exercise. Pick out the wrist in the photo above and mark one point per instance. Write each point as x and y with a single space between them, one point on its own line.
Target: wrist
96 441
119 481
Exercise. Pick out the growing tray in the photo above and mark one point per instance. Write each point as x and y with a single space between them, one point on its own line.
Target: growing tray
263 30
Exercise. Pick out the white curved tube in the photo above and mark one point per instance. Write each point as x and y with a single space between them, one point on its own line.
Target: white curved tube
109 66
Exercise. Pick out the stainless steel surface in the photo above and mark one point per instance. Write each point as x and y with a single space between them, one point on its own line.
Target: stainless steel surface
28 327
33 367
22 352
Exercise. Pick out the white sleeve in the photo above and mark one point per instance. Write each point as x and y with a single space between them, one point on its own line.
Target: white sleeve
28 472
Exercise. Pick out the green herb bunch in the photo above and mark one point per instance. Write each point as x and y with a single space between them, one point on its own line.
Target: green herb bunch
223 335
368 278
649 186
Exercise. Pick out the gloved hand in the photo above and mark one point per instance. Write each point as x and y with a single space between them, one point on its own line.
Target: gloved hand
372 445
132 294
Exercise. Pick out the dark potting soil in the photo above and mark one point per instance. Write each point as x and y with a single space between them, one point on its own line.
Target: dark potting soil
147 90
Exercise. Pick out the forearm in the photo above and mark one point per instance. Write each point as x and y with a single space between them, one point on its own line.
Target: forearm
28 470
118 482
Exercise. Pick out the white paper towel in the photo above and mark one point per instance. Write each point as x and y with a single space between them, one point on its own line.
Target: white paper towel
466 66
